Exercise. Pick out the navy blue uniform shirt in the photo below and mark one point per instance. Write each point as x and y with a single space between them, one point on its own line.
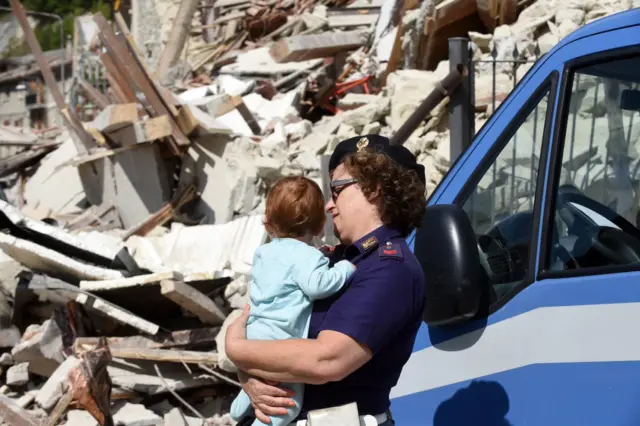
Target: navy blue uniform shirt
381 306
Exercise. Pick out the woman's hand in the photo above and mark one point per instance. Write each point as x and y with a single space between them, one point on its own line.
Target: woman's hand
266 397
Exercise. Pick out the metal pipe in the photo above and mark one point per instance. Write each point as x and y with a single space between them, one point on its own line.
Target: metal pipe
62 47
461 103
441 91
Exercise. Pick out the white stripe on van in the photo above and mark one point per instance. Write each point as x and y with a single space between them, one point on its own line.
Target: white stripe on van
589 333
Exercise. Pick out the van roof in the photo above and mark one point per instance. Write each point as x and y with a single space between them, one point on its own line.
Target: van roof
618 20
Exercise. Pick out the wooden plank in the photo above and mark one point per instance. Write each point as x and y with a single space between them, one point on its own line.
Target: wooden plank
164 340
167 96
84 139
129 282
166 355
177 37
115 117
246 114
143 131
306 47
93 94
121 86
32 41
137 74
452 11
193 301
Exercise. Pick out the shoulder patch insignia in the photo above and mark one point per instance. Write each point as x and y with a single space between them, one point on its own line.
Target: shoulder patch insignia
371 242
390 250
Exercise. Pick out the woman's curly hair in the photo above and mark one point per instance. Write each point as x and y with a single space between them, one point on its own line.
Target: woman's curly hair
402 202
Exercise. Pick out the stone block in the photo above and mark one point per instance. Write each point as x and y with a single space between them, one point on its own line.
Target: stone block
18 375
57 384
136 415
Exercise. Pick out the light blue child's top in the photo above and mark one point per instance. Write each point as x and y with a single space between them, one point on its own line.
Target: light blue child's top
287 276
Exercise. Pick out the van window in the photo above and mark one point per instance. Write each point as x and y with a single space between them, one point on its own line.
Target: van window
596 208
501 205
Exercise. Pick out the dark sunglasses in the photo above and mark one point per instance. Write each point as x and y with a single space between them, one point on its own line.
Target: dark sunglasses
337 186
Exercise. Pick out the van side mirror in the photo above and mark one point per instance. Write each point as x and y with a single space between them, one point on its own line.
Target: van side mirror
447 249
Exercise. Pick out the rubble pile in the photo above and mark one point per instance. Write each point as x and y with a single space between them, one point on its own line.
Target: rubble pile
129 236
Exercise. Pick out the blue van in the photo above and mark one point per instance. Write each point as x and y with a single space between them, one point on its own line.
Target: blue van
534 282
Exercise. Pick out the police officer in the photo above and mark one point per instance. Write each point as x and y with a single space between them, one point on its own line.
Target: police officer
359 339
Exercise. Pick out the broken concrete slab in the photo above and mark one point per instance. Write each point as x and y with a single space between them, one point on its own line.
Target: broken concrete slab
27 399
18 375
234 86
28 351
42 259
117 313
259 62
9 337
215 182
356 100
51 345
136 415
57 384
268 168
129 282
195 122
42 190
58 238
12 414
80 418
142 183
176 417
140 376
313 46
353 20
193 301
6 359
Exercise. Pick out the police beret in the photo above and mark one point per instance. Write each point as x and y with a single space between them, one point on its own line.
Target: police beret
377 143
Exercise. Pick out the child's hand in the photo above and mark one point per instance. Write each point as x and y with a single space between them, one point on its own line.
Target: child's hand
326 250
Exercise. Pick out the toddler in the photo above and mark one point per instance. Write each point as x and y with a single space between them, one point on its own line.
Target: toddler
288 275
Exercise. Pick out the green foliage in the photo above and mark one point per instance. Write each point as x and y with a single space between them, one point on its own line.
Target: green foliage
16 47
48 30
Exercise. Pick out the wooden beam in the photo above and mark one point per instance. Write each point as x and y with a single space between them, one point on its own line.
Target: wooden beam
137 74
121 86
162 340
177 37
115 117
166 355
149 130
93 94
246 114
84 139
193 301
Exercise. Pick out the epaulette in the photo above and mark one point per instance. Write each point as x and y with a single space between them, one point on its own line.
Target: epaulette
390 250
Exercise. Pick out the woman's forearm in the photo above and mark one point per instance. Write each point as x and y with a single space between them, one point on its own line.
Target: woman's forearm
291 360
